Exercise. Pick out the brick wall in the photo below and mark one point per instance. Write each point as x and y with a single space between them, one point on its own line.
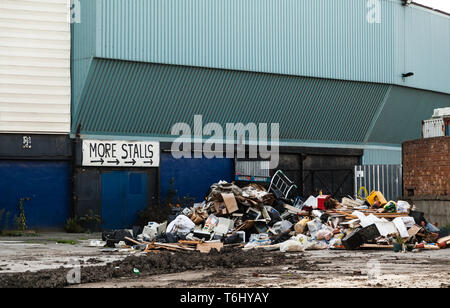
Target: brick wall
426 166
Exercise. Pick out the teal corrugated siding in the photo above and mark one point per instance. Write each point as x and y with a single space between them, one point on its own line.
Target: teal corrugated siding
382 157
131 98
403 113
316 38
83 48
423 47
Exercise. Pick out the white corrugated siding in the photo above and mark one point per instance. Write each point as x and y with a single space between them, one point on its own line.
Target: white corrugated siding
34 66
433 128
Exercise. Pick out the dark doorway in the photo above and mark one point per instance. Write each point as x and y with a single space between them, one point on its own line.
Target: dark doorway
331 175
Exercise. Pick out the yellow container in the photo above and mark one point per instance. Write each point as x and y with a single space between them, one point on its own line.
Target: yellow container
376 196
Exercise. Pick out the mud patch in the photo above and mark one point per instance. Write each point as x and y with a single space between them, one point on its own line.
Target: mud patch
94 261
154 264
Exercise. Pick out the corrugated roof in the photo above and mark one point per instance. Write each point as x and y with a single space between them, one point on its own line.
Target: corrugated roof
403 113
143 99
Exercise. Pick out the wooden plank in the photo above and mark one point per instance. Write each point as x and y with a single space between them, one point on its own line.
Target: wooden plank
186 242
443 239
173 246
377 246
206 247
295 210
133 241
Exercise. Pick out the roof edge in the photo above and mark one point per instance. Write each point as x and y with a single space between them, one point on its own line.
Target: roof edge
431 9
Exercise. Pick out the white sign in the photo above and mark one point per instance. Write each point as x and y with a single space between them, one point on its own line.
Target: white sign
107 153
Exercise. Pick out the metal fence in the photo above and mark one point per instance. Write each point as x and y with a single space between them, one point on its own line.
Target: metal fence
252 171
384 178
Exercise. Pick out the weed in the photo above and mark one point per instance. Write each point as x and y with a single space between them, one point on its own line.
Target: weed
6 221
72 226
83 223
21 221
2 211
68 242
155 213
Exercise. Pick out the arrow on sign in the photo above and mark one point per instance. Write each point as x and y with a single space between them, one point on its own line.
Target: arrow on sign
98 161
131 162
149 162
114 162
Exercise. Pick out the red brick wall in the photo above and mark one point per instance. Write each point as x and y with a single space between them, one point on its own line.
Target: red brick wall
426 166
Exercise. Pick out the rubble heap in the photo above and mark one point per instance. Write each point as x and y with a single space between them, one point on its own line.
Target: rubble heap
255 218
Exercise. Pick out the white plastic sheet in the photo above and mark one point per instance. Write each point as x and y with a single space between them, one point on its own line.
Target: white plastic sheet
181 225
291 246
400 225
366 221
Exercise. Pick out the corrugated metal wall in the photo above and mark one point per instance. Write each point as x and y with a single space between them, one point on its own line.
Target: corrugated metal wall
382 157
316 38
141 99
83 46
403 112
34 66
424 50
385 178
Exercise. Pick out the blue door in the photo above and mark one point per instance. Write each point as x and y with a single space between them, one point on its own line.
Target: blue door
46 183
124 194
193 176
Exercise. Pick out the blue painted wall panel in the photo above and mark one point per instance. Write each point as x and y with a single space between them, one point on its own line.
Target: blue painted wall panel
124 194
193 177
46 183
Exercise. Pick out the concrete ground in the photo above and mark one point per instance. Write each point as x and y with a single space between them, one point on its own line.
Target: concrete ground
49 251
333 268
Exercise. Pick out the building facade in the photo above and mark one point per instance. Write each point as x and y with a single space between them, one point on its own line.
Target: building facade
35 100
346 80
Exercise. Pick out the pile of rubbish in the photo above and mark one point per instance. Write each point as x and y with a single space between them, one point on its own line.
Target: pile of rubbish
253 217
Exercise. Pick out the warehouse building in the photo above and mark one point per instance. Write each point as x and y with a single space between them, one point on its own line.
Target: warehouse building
347 80
35 96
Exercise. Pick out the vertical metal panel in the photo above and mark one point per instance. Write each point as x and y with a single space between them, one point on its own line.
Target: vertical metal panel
202 173
318 38
34 66
384 178
423 48
124 194
84 35
49 204
433 128
256 170
382 157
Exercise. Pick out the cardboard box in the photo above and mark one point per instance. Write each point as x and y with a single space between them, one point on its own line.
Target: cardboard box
230 203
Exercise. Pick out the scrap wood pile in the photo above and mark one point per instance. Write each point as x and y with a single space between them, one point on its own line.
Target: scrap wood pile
253 217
